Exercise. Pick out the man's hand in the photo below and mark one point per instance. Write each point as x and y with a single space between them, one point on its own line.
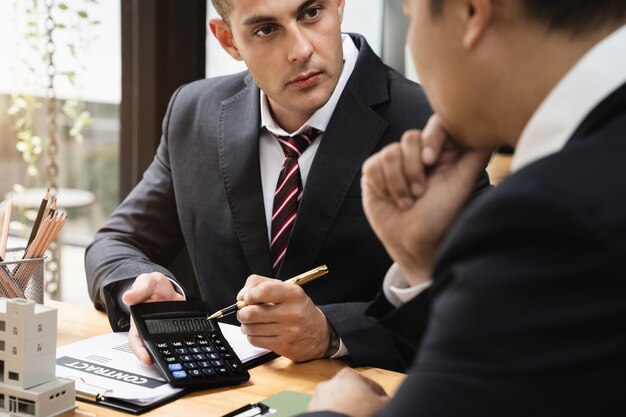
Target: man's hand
279 316
349 393
414 189
147 288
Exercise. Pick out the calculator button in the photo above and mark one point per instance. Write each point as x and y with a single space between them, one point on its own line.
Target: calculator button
162 345
190 365
204 364
217 363
181 351
222 349
203 342
195 350
185 358
208 371
213 356
218 342
199 357
236 366
195 372
214 335
177 344
189 343
200 337
179 374
222 371
170 359
175 366
208 349
227 355
166 352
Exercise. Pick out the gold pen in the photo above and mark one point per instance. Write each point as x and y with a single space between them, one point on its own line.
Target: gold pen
298 280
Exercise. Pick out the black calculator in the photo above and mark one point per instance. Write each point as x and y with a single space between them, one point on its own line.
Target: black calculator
189 350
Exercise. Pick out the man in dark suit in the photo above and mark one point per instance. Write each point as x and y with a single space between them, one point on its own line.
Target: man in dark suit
211 185
529 282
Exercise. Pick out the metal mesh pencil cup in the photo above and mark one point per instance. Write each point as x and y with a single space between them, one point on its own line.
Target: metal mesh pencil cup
25 275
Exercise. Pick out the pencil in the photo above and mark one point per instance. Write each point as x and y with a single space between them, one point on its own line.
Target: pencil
53 206
39 218
5 227
297 280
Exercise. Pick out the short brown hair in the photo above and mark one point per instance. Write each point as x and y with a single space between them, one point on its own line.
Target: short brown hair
223 7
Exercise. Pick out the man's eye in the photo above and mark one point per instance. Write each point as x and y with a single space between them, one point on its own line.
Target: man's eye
312 13
264 31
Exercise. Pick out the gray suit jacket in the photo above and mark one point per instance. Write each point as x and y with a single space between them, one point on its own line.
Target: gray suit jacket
203 192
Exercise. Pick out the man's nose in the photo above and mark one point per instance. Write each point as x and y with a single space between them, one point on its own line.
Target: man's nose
301 48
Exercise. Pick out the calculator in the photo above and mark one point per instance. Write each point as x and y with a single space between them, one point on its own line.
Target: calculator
189 350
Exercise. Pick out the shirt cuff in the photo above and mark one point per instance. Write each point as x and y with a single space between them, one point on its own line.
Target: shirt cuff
343 351
396 288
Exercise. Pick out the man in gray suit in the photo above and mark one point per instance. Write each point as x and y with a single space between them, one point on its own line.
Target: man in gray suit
211 186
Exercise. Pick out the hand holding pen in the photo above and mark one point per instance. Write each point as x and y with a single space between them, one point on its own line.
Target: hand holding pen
297 280
281 317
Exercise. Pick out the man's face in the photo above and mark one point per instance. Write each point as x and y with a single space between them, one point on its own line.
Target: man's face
444 65
293 49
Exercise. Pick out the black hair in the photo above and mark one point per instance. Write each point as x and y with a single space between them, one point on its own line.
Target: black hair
576 16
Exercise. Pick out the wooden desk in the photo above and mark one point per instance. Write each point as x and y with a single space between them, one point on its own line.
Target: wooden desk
77 323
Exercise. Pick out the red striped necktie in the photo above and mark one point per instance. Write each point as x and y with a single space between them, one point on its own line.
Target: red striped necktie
288 193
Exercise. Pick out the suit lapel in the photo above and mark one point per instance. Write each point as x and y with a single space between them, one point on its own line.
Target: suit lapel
351 136
238 142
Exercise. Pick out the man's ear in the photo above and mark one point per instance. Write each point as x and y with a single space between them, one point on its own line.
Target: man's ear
224 36
479 14
341 4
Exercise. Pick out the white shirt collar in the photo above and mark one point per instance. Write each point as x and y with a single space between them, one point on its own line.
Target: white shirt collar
601 71
319 120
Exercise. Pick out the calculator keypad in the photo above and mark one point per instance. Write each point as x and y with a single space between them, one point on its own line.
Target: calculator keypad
203 357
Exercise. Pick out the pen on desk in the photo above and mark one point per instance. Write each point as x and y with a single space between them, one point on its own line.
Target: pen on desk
298 280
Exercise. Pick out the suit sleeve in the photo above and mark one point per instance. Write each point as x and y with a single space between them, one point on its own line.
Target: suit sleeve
141 235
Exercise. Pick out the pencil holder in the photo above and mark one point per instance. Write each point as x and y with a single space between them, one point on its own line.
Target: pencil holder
21 278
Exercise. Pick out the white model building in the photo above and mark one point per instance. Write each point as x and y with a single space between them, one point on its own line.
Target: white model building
28 385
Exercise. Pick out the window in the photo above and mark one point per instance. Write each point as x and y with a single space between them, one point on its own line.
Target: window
40 327
15 331
14 376
1 401
2 325
14 351
25 406
1 345
38 347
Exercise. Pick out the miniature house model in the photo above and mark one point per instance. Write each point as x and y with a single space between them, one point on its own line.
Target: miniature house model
28 385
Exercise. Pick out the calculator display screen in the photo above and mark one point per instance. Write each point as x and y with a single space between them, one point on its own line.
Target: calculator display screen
180 325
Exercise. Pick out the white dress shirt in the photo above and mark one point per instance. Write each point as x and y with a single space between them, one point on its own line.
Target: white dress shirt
599 72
